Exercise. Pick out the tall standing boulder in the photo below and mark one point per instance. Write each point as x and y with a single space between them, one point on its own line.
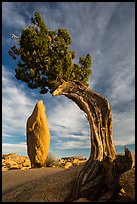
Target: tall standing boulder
38 136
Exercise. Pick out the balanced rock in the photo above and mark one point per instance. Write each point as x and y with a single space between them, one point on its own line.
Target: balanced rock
38 136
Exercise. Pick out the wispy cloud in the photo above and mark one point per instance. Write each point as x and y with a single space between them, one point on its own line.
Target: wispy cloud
122 93
67 116
11 16
14 148
65 119
16 106
104 29
73 145
68 124
124 127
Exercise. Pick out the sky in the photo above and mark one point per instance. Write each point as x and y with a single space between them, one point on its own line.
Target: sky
106 30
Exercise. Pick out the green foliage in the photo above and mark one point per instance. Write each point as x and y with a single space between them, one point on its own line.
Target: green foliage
44 55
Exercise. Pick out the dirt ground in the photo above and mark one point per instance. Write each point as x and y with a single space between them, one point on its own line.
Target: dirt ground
54 186
13 178
44 185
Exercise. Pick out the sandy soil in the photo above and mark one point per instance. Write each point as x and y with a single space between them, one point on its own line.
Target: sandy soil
42 185
52 187
13 178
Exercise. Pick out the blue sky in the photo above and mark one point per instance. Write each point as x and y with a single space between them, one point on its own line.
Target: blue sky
106 30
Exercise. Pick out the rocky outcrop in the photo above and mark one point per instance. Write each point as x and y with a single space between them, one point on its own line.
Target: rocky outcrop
67 162
38 136
15 161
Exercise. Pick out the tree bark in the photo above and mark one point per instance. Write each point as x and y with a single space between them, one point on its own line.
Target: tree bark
98 180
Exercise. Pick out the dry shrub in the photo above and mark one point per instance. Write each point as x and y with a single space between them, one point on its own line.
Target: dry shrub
51 160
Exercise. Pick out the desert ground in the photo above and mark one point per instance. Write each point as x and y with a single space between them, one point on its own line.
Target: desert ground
48 184
41 185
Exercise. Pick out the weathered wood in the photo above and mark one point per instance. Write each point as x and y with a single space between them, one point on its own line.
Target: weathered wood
98 180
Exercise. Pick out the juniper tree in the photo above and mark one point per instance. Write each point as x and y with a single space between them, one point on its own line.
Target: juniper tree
45 55
45 61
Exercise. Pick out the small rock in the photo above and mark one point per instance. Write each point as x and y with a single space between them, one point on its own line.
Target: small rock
75 161
25 168
26 163
10 164
68 165
4 168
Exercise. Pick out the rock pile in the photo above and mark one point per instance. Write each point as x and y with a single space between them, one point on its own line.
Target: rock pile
15 161
67 162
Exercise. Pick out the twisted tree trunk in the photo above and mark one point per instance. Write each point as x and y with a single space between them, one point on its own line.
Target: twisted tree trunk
98 180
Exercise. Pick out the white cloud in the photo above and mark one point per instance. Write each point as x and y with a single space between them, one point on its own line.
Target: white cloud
19 148
11 16
16 106
69 125
124 127
74 145
106 30
65 119
84 136
7 135
122 87
67 115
